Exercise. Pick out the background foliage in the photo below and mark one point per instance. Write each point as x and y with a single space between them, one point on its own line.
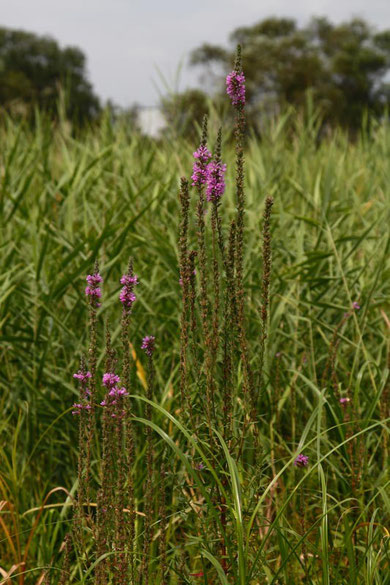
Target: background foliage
343 66
113 194
34 69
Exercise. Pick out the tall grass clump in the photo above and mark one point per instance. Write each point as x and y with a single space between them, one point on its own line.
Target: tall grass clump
231 389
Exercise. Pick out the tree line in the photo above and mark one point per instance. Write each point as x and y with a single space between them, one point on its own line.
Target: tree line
343 67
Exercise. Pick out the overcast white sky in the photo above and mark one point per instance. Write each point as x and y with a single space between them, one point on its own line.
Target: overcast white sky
128 41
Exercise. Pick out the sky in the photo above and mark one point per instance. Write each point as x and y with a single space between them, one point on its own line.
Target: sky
137 48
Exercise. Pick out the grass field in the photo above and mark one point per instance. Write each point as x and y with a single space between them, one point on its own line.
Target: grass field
109 195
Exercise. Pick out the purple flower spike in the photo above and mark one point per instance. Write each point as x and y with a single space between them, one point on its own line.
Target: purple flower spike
126 279
93 290
301 460
118 391
202 154
235 88
127 296
82 376
355 306
94 279
110 379
215 181
199 170
148 344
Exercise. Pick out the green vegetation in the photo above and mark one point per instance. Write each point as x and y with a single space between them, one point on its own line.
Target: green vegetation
343 66
110 195
34 69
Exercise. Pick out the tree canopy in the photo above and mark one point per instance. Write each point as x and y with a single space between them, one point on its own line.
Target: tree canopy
33 69
344 66
184 111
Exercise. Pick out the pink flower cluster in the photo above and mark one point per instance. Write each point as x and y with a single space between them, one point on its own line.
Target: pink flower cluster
83 378
301 460
235 88
199 170
117 392
93 289
110 381
208 173
127 296
148 344
215 180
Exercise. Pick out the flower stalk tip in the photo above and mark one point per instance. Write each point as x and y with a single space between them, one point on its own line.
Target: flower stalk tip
301 460
148 345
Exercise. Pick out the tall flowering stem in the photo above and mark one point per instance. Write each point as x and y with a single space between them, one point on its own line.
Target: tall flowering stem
265 285
127 298
216 283
229 327
120 413
214 191
129 281
236 90
82 409
215 174
106 496
204 301
228 260
93 293
121 574
85 410
201 241
192 303
148 345
185 280
114 415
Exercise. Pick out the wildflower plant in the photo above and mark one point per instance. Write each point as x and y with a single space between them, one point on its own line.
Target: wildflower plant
104 408
179 479
214 348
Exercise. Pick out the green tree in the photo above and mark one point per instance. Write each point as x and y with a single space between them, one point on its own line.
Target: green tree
344 66
34 68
